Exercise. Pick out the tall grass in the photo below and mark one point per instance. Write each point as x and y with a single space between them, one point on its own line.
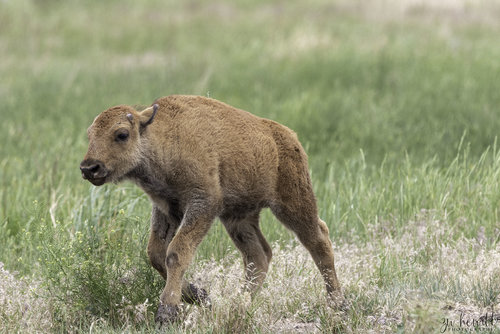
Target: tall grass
396 106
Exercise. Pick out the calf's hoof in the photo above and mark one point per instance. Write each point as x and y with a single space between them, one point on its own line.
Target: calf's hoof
167 314
195 295
337 301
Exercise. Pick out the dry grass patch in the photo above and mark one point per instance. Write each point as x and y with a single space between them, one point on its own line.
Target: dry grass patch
21 308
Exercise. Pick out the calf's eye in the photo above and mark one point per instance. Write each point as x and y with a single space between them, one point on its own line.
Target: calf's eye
122 136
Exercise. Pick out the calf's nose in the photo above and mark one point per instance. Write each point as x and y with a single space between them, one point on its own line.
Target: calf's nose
92 169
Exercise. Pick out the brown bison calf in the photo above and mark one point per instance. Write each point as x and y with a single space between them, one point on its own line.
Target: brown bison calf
198 159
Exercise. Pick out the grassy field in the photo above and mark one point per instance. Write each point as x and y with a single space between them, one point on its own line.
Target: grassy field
397 104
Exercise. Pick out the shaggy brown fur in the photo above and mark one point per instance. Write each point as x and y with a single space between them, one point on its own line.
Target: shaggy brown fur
198 159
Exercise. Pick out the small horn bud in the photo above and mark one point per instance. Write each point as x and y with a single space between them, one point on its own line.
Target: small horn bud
130 117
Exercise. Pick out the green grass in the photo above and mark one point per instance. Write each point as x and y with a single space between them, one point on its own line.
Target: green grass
398 112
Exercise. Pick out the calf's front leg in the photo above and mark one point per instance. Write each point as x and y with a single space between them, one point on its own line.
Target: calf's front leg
180 253
163 228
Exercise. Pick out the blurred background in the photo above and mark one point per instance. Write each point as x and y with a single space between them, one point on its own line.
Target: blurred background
387 77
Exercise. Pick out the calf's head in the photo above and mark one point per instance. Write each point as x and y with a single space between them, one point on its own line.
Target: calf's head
115 143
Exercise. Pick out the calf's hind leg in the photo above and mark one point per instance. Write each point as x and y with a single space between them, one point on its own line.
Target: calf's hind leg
254 248
313 234
296 208
163 228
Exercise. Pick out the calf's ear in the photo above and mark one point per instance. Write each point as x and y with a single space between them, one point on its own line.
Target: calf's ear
147 116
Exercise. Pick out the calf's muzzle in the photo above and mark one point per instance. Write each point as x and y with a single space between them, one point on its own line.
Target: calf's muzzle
93 171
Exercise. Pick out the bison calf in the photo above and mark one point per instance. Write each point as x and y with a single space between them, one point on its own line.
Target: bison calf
198 159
